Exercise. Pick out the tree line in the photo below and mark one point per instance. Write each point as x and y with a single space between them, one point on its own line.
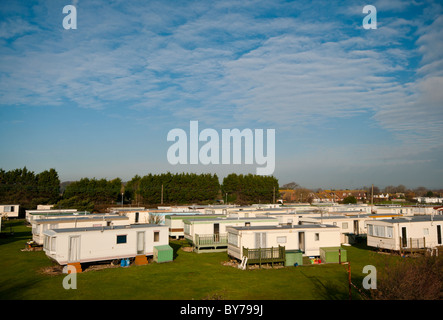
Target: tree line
24 187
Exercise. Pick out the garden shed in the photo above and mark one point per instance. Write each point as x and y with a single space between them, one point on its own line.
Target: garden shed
333 255
293 258
163 253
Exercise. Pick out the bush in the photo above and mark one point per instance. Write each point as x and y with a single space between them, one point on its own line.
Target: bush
418 278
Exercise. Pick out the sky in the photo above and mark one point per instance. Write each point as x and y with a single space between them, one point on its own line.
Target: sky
350 106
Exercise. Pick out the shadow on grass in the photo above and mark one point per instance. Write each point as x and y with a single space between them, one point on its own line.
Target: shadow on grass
14 230
15 291
327 290
176 245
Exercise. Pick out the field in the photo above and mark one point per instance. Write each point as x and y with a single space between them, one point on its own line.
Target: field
190 276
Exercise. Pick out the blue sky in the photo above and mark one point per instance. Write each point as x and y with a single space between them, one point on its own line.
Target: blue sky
350 107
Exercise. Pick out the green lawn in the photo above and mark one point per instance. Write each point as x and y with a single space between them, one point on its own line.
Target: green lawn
189 276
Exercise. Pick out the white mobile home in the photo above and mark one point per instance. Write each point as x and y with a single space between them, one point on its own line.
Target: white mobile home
355 225
39 214
9 210
93 244
403 210
212 234
176 225
306 238
39 226
415 232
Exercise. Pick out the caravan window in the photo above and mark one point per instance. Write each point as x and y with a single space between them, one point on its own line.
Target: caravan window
187 228
281 239
317 236
389 232
53 239
121 238
379 231
46 243
156 236
233 239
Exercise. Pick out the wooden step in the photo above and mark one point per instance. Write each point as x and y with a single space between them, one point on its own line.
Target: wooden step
140 260
77 266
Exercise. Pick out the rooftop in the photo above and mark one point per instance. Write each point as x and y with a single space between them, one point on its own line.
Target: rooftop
86 229
413 219
286 227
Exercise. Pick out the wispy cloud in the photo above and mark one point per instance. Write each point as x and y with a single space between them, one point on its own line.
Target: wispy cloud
285 65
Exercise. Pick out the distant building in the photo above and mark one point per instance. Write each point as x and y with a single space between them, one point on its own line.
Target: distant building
9 210
429 200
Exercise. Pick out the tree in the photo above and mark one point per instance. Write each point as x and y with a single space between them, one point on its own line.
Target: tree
350 200
48 184
248 189
290 185
29 189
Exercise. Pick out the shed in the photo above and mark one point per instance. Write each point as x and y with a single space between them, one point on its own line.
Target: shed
333 254
163 253
293 258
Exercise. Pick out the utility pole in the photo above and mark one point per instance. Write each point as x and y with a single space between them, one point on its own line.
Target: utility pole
162 195
273 198
372 198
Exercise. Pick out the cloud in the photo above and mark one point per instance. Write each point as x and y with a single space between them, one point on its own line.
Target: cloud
237 64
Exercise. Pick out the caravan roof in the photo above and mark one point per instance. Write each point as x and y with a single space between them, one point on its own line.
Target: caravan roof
86 229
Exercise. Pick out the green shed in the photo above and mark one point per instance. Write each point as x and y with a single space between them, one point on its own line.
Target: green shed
163 253
293 257
333 254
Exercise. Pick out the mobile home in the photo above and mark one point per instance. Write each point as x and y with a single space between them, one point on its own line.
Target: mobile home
211 233
175 222
39 226
416 232
355 225
306 238
55 213
9 210
93 244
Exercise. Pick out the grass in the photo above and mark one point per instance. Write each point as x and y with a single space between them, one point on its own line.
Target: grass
189 276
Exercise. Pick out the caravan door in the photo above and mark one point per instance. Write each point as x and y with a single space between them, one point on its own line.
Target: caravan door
74 249
301 241
216 232
141 242
260 240
439 234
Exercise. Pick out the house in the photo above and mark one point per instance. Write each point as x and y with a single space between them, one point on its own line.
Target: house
211 234
9 210
416 232
39 226
92 244
307 238
175 222
429 199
